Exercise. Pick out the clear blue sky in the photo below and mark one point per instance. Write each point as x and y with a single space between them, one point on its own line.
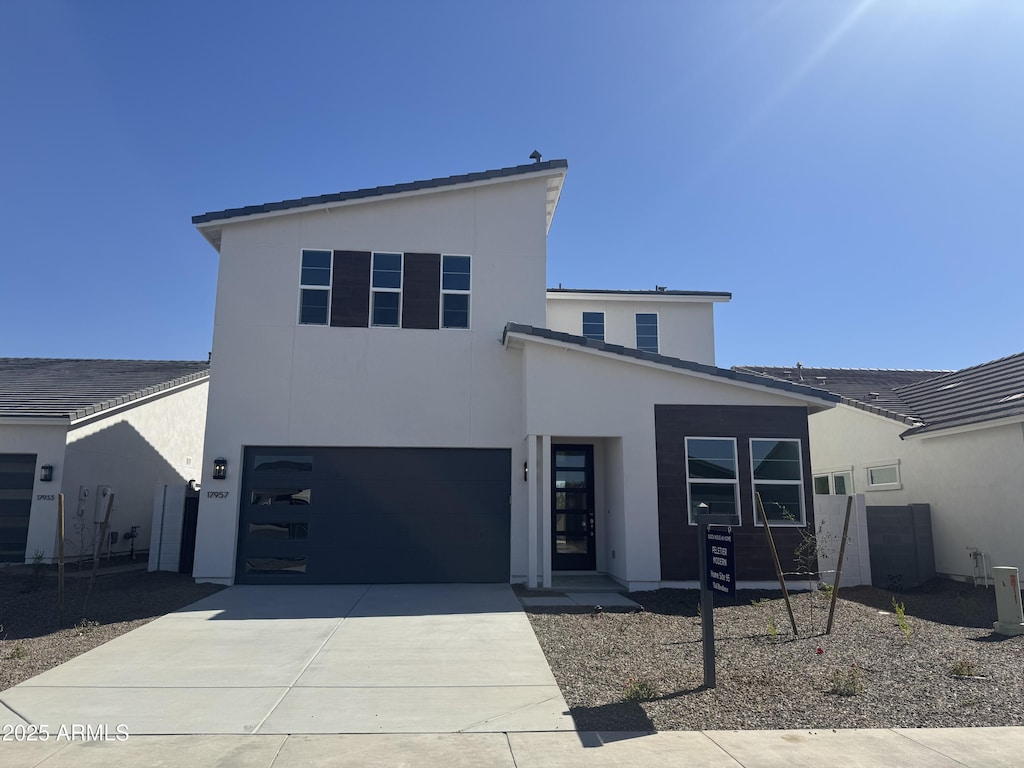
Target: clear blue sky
852 171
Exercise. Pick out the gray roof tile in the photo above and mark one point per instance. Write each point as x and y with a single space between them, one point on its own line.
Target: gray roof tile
71 389
928 401
870 389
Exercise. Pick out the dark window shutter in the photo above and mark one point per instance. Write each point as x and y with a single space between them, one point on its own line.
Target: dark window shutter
350 300
421 290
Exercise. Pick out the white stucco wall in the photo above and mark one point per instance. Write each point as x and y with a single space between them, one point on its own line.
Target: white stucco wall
48 443
159 441
974 481
685 328
277 383
575 392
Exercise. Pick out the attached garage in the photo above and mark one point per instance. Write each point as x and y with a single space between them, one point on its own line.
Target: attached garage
374 515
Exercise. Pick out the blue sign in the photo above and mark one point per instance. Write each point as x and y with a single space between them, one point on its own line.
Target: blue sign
721 560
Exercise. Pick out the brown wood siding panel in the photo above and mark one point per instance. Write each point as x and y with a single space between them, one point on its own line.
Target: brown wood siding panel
350 289
421 290
678 539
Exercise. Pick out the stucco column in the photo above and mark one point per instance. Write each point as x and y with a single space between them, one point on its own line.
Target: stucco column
545 483
533 512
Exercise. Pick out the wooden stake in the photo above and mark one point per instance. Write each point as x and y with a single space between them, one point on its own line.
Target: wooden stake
839 566
60 558
775 559
96 555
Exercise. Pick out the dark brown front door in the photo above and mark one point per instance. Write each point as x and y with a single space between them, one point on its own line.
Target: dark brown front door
572 508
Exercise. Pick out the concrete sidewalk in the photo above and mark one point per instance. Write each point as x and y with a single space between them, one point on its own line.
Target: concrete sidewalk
311 659
925 748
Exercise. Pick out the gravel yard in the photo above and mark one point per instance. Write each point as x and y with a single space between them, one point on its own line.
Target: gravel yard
32 640
946 669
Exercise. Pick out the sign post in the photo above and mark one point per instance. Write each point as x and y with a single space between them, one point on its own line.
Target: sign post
717 574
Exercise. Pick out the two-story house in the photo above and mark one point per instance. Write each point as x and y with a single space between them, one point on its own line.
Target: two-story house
396 397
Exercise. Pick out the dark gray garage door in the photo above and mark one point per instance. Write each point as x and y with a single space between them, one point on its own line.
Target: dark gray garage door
374 515
17 474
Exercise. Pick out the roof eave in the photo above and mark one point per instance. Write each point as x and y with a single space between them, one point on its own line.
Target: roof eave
211 224
516 335
643 296
937 430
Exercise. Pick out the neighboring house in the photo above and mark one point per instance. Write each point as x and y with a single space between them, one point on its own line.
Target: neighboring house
951 439
78 427
396 397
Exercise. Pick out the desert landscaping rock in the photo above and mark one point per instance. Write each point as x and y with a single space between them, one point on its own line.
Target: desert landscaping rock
769 679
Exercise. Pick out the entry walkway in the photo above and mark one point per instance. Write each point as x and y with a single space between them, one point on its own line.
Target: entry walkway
311 659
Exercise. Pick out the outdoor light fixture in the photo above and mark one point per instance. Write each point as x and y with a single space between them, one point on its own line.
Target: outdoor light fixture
526 471
46 473
220 468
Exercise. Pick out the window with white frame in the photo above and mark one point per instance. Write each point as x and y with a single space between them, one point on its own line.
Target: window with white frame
315 287
593 325
712 478
386 290
777 472
839 482
647 331
455 289
884 476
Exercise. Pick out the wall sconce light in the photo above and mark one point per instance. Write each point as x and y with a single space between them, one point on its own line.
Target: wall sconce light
46 473
220 468
526 471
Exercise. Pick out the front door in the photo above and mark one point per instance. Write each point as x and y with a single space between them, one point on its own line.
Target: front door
572 508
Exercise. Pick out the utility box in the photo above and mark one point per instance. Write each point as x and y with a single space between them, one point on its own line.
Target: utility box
1008 603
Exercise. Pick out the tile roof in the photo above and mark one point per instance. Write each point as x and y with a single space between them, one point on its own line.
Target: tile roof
870 389
673 362
928 401
993 390
73 389
392 189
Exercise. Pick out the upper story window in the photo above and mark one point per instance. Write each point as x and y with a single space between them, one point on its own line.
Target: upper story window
884 477
777 470
593 325
315 287
711 477
386 289
647 331
455 289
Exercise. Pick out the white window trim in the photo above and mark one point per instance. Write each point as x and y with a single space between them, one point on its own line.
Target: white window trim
830 473
657 337
712 481
604 323
469 293
398 290
754 482
898 485
303 287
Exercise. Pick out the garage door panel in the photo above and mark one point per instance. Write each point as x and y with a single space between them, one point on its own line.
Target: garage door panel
17 477
386 515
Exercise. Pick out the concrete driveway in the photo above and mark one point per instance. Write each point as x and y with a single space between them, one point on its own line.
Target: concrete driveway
311 659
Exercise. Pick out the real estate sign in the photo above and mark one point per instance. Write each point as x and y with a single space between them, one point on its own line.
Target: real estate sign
721 561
